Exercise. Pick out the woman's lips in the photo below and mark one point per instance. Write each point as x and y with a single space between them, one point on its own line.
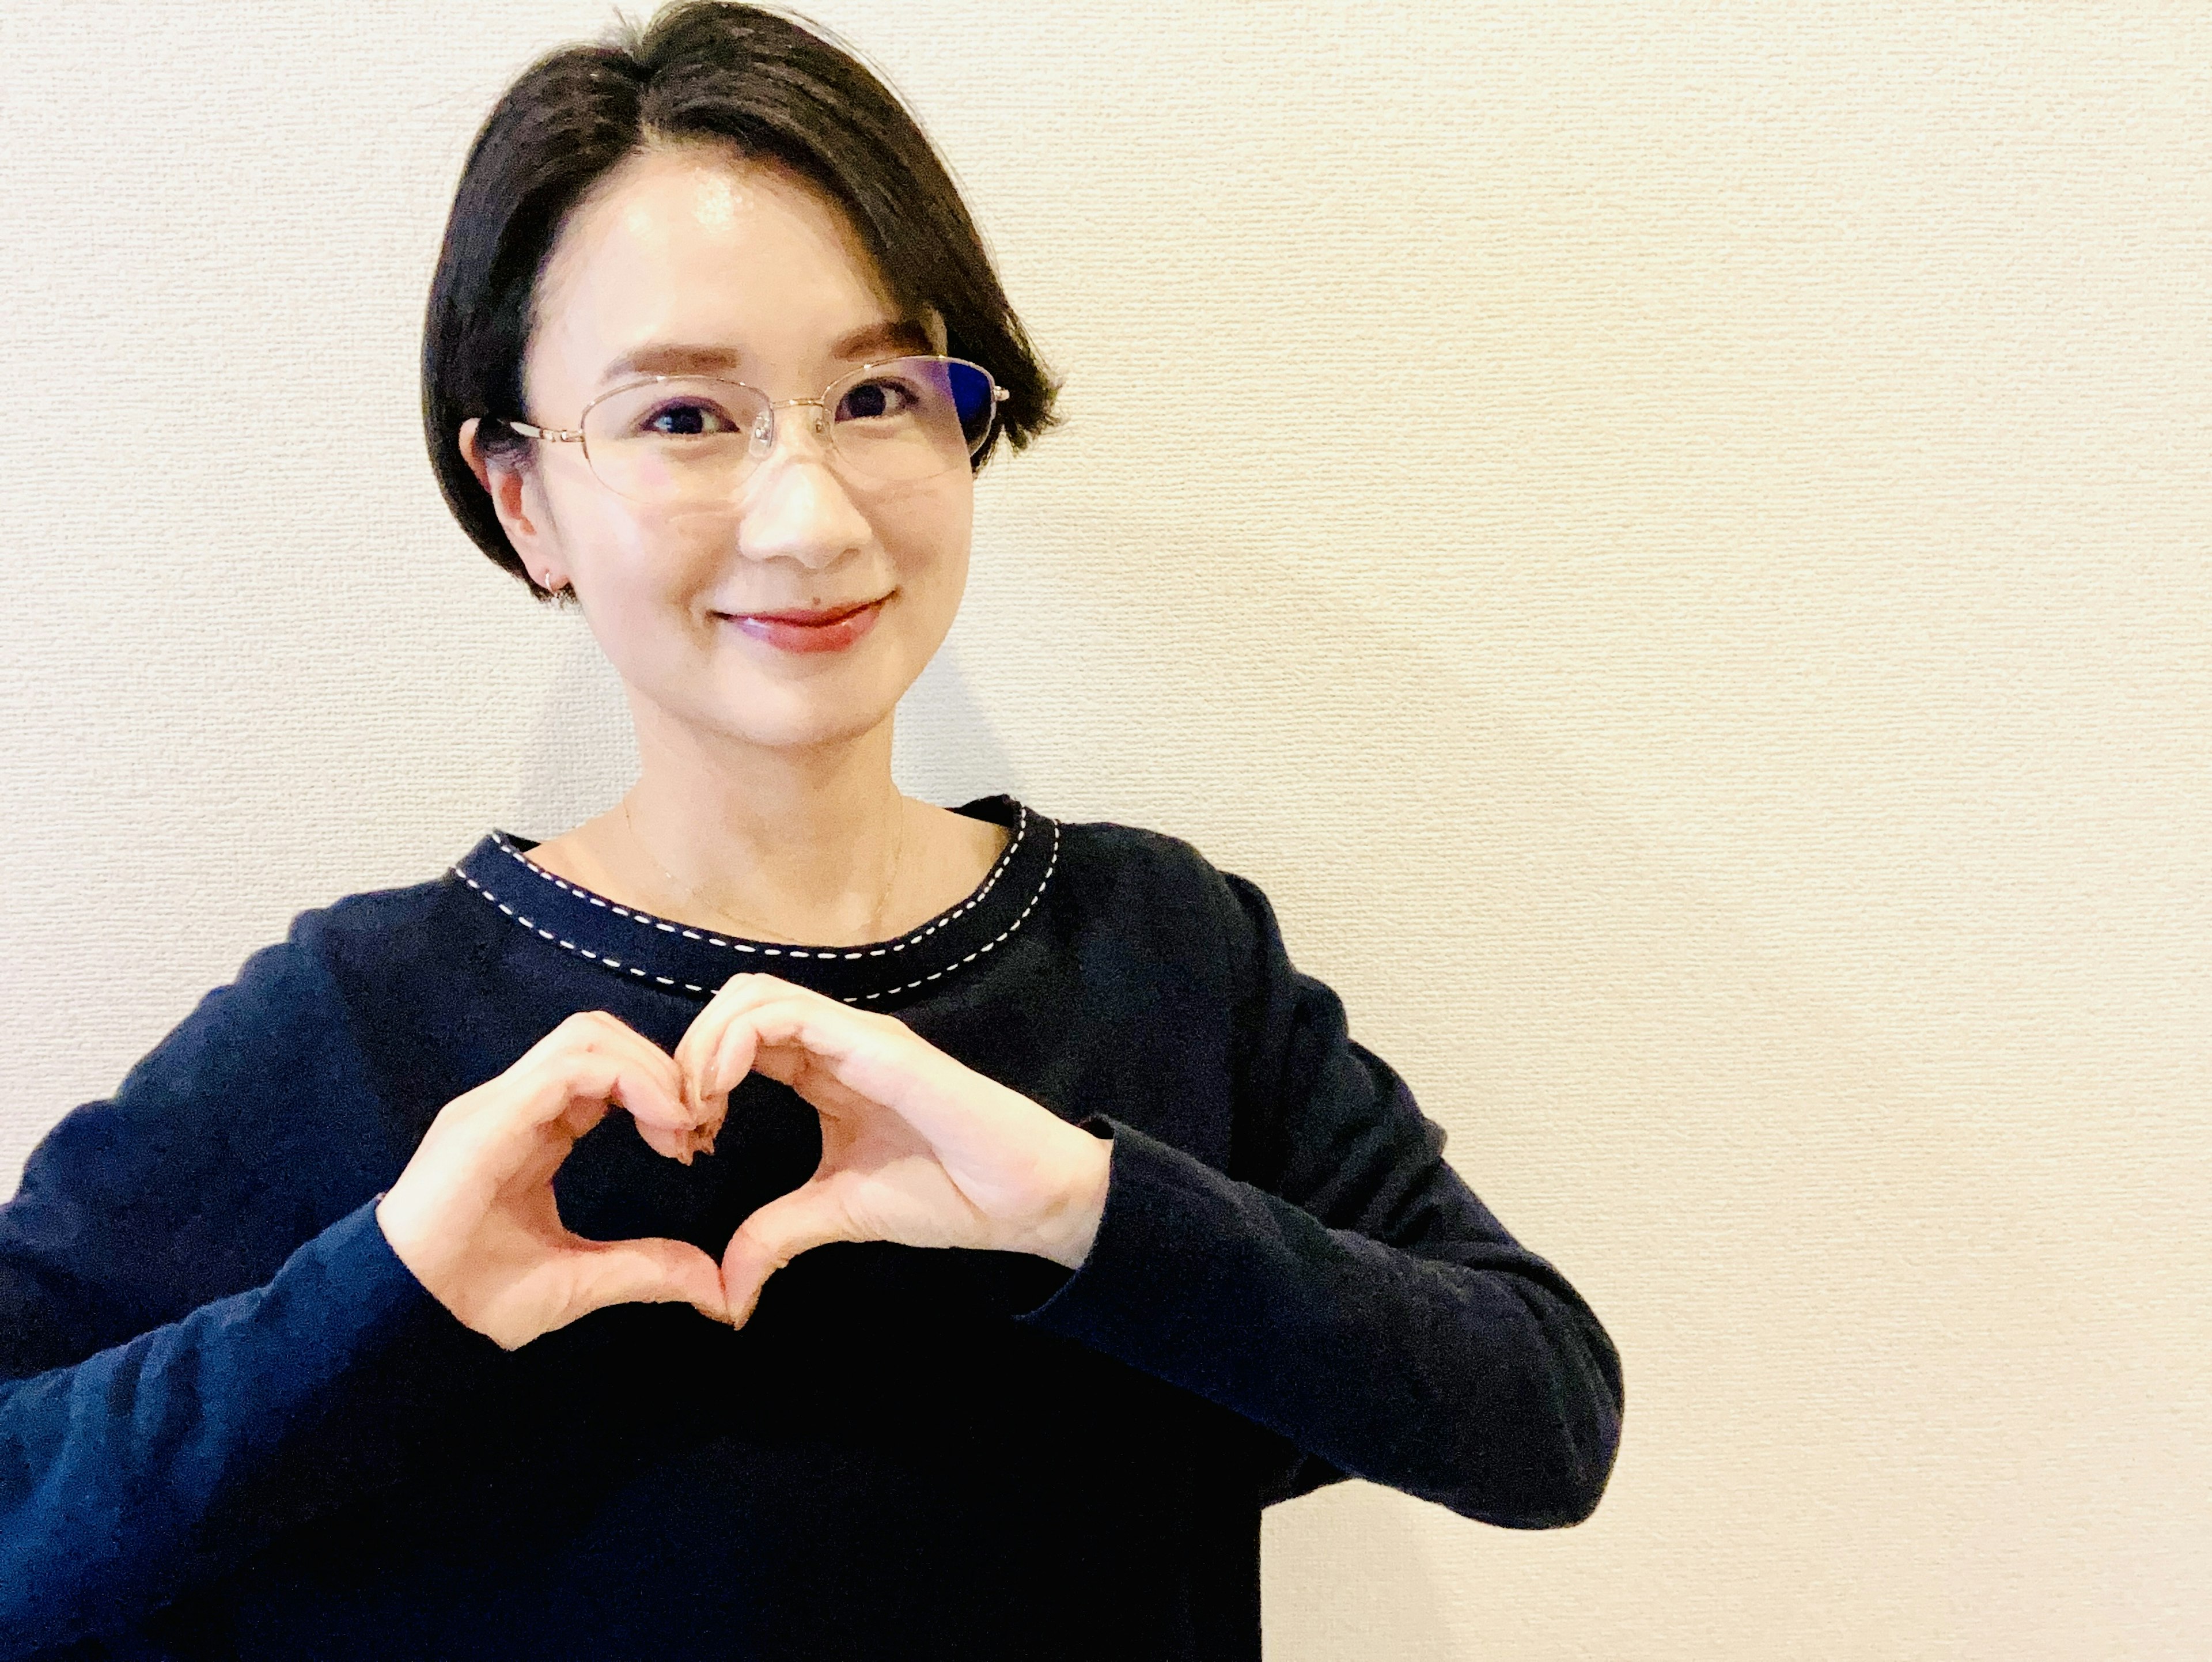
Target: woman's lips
783 631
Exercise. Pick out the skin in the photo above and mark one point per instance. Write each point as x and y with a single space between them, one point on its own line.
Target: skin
764 774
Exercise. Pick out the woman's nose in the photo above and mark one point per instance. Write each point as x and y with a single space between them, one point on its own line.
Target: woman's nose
797 505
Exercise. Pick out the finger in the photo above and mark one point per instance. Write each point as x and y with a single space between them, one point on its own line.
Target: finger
652 1064
536 1111
694 1051
973 1125
596 1080
697 1044
676 1145
580 1086
648 1271
874 1058
734 1057
772 1237
598 1030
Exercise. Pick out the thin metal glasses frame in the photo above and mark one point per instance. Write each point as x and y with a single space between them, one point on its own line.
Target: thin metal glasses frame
575 435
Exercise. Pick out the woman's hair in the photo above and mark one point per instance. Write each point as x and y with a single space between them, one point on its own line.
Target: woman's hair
768 83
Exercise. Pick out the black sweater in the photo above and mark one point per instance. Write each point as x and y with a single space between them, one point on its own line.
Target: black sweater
232 1423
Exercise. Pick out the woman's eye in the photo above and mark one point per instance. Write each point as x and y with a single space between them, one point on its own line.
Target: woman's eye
876 398
689 420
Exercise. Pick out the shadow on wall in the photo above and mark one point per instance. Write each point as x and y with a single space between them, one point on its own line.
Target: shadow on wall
944 749
582 754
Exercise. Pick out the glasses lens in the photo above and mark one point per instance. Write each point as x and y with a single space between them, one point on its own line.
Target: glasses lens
912 418
675 441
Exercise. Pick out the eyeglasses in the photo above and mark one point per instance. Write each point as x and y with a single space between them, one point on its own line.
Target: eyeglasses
680 440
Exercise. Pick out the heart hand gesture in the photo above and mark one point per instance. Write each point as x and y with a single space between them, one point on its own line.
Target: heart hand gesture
916 1148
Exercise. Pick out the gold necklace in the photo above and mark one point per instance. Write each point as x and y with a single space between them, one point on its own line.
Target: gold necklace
875 918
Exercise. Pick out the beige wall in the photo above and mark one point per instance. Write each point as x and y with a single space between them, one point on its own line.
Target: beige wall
1671 540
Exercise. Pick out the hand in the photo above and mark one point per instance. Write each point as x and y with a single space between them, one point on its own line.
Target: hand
473 1215
916 1148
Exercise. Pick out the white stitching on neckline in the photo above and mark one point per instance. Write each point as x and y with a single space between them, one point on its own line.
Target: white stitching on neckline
1051 865
652 921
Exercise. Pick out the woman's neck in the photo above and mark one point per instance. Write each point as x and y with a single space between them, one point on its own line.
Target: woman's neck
799 844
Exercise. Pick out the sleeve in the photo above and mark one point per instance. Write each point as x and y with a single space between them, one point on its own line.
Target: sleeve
1351 1293
204 1337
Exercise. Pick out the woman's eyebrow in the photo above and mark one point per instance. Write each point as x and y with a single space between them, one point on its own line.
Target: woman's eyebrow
662 357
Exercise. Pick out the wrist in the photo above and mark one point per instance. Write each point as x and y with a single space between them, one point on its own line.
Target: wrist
1071 1224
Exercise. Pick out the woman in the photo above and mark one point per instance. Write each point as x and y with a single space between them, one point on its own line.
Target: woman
1006 1220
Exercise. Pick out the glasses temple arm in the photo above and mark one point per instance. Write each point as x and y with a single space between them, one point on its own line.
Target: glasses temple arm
556 436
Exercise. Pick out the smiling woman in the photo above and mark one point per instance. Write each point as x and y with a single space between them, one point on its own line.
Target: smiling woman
1039 1222
714 349
768 587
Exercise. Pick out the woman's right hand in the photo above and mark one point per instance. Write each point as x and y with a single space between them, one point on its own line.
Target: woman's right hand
473 1215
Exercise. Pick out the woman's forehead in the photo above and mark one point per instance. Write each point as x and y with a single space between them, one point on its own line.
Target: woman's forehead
697 244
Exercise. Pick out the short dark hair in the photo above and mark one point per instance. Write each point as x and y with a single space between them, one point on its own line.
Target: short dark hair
772 85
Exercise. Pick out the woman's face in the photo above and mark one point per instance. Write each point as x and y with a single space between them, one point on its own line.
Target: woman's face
697 247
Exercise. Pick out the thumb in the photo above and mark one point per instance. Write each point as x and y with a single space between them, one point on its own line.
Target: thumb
773 1236
648 1271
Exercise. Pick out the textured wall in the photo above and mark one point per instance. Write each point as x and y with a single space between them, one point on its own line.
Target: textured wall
1672 541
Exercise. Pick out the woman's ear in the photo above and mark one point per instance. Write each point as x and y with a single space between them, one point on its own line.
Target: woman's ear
512 487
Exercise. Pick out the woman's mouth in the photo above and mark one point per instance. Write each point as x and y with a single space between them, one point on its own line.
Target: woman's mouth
831 630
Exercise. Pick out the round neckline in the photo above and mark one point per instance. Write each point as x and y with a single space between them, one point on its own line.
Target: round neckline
565 917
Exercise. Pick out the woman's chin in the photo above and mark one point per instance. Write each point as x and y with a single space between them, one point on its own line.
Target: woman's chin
788 717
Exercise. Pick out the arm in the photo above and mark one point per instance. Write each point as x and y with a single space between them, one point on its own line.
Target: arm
1353 1296
204 1338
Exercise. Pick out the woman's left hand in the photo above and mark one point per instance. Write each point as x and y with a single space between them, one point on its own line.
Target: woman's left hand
916 1148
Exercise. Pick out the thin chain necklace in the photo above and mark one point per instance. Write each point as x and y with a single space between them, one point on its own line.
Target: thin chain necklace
875 918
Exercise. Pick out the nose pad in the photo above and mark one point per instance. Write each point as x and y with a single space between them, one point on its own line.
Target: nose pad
761 438
756 494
